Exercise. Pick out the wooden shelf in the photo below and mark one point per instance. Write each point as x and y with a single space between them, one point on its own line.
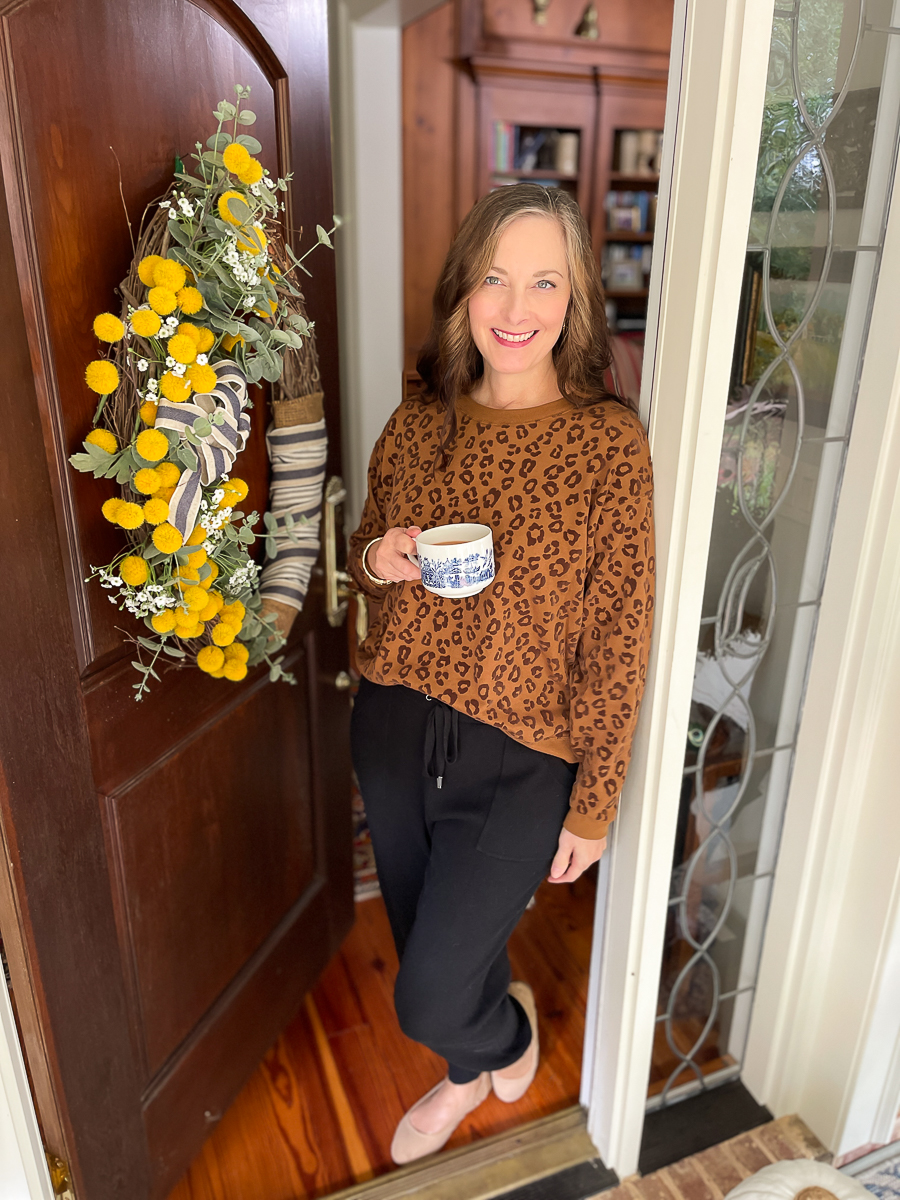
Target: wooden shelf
626 235
627 294
621 177
538 173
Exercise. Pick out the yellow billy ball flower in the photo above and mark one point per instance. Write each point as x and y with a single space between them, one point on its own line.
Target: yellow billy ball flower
129 516
252 173
187 575
162 300
210 659
156 511
197 559
230 340
191 331
189 632
236 490
146 267
237 651
236 158
169 274
206 340
182 348
203 378
184 617
148 412
190 301
134 570
223 634
212 576
169 473
110 508
210 612
174 389
234 670
164 493
216 599
145 322
194 598
101 377
108 328
225 211
146 481
163 622
103 439
166 538
152 444
198 536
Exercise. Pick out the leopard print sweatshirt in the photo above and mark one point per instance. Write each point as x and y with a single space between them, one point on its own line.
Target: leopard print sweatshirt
554 651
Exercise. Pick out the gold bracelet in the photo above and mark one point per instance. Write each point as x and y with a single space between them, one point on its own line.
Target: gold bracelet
374 578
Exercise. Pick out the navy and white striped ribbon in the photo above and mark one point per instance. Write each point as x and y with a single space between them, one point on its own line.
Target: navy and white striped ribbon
297 454
216 451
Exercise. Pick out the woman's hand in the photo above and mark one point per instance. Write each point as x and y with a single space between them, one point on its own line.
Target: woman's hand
575 855
387 558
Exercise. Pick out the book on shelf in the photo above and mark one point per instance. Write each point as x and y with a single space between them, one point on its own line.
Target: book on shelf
632 212
625 268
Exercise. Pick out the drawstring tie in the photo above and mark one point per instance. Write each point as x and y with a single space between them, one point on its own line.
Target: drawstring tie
441 740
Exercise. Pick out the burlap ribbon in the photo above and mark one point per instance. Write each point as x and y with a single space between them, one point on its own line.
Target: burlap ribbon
216 450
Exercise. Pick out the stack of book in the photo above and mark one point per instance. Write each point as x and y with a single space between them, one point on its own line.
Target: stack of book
631 212
505 145
625 268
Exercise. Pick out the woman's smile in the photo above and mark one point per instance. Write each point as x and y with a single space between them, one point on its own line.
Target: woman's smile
512 339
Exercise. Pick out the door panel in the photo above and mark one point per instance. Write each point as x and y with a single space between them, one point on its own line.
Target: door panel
179 869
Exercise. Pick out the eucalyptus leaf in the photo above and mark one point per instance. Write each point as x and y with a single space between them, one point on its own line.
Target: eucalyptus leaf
202 427
271 549
324 239
225 111
173 651
219 140
239 209
247 117
252 145
149 644
179 234
188 457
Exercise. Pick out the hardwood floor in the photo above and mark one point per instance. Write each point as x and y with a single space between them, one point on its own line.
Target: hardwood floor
320 1111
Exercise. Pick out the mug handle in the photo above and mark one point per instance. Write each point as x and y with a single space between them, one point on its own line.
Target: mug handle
414 559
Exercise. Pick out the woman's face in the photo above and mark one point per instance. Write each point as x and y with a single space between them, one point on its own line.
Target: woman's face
517 313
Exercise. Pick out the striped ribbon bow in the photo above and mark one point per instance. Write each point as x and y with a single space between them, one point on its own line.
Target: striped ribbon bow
216 450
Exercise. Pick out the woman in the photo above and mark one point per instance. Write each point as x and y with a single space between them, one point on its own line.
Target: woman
491 734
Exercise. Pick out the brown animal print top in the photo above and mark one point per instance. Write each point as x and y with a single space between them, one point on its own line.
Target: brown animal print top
554 651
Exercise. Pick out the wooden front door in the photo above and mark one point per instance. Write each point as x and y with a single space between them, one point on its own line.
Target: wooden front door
176 872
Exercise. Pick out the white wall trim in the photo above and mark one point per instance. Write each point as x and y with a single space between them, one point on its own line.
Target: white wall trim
23 1167
825 1033
366 67
720 81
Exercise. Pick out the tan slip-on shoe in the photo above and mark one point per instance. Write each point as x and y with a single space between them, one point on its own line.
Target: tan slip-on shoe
512 1082
410 1143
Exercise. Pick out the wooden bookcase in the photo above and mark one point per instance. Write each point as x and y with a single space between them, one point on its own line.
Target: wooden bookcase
472 63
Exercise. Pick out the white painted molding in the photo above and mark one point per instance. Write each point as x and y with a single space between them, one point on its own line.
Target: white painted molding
365 37
23 1167
717 88
825 1033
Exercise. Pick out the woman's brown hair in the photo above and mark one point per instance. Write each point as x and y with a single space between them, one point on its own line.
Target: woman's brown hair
450 362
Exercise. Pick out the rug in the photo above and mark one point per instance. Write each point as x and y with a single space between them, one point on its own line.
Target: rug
365 877
883 1179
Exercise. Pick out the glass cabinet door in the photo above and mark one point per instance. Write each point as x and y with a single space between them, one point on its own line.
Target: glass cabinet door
826 157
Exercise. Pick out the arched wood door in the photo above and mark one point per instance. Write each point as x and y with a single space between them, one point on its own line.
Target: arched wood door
177 871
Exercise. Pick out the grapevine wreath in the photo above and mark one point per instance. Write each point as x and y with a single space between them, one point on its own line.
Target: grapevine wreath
210 306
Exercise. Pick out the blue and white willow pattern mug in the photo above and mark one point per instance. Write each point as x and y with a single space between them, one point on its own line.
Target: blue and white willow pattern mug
455 560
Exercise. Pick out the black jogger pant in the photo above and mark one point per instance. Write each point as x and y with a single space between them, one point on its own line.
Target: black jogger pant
465 822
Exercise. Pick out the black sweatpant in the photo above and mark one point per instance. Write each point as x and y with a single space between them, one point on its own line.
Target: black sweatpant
465 822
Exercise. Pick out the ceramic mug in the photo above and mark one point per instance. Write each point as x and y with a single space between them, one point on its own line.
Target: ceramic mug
455 560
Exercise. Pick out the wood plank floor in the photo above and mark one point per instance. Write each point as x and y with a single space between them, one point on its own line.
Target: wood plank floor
320 1111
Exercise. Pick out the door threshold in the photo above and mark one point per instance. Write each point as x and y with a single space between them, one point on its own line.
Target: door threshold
492 1167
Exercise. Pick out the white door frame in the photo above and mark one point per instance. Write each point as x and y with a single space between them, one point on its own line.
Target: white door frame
714 112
